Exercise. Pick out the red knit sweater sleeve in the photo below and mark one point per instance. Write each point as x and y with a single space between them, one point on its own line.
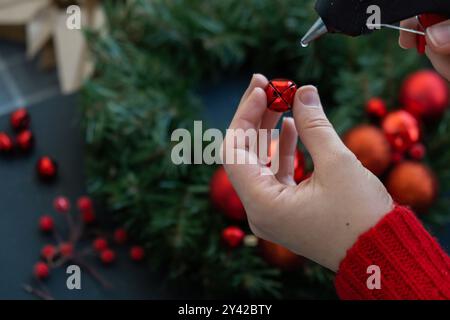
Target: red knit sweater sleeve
412 265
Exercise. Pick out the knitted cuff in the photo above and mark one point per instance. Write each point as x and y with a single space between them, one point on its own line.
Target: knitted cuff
402 255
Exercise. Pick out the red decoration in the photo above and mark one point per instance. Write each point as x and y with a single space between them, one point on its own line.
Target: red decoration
280 95
279 256
20 119
137 253
47 168
233 236
376 107
417 151
41 270
100 244
371 147
84 204
120 236
425 95
48 252
108 256
46 223
425 21
401 129
88 217
224 197
66 249
6 143
25 140
413 184
61 204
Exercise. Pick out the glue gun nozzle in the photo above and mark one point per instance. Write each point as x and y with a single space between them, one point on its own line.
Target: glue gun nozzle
317 30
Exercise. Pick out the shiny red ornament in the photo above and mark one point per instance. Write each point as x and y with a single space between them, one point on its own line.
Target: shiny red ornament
376 108
41 270
48 252
61 204
401 129
233 236
20 119
137 253
84 203
6 143
47 168
25 140
66 249
108 256
120 236
46 223
224 197
100 244
426 20
417 151
280 95
425 95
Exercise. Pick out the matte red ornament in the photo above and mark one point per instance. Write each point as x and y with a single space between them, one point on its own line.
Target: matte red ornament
425 95
46 168
41 270
137 253
46 223
120 236
61 204
20 119
233 236
108 256
376 108
100 244
224 197
280 94
401 129
6 143
417 151
25 140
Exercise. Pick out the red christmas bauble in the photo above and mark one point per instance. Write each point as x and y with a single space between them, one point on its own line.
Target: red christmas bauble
371 147
120 236
224 197
137 253
66 249
425 95
401 129
100 244
47 168
25 140
6 143
376 108
279 256
417 151
46 223
48 252
61 204
84 203
280 95
41 270
233 236
20 119
107 256
413 184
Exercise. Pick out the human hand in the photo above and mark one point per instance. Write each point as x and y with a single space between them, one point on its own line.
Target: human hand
438 43
322 217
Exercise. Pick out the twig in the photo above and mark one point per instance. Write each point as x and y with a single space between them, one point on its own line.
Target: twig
38 293
93 272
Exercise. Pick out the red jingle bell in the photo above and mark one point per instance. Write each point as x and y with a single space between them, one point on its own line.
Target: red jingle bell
280 94
20 119
47 168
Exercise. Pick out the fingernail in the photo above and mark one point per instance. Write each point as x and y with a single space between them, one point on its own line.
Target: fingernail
439 34
309 96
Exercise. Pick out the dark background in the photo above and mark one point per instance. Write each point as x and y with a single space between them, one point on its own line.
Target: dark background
23 198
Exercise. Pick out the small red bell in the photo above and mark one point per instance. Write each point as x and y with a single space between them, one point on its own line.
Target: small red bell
425 21
280 95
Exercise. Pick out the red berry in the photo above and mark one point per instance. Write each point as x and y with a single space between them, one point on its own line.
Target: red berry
417 151
48 252
24 140
120 235
376 107
61 204
46 168
41 270
6 143
107 256
46 223
66 249
84 204
20 119
233 236
100 244
88 217
137 253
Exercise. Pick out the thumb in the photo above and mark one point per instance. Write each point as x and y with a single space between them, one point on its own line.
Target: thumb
438 37
314 129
